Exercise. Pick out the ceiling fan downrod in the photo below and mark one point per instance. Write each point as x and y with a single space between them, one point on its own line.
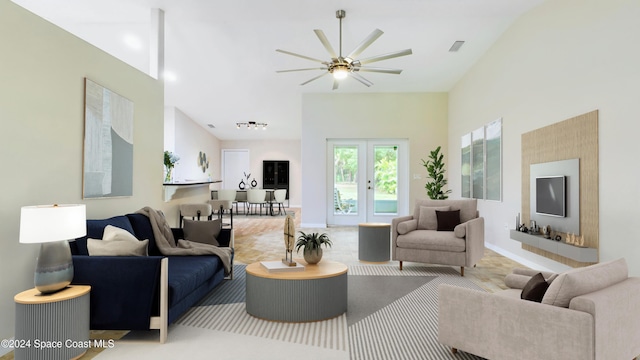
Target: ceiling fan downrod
340 14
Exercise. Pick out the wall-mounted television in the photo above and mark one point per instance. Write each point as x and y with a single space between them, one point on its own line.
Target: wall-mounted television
550 195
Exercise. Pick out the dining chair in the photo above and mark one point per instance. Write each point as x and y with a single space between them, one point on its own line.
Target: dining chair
279 196
256 197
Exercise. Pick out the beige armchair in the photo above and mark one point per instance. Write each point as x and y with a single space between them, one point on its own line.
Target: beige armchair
586 313
416 237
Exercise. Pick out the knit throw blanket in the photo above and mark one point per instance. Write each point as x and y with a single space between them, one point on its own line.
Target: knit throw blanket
168 246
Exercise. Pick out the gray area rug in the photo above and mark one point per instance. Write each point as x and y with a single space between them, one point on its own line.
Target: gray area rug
391 314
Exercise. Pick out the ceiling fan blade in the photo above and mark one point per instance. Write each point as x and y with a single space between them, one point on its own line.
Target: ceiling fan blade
361 79
336 83
384 57
291 70
301 56
315 78
365 43
378 70
326 43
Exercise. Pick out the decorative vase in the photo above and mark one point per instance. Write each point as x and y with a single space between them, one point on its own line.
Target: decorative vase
168 177
312 256
254 183
241 185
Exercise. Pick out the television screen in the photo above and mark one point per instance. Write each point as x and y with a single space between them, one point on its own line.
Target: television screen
550 195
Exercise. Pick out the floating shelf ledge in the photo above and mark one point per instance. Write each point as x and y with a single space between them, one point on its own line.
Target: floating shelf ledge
170 189
577 253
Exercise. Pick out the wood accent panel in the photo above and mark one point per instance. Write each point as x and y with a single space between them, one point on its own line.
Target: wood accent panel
573 138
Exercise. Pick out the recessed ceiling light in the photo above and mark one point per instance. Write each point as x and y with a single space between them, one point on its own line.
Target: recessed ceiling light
132 41
456 46
169 76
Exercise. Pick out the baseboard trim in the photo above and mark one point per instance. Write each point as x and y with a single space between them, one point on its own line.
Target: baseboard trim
514 257
305 225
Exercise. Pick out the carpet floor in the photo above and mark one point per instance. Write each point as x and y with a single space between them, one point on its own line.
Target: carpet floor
391 314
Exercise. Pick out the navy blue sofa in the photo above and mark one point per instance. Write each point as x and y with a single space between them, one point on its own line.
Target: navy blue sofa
143 292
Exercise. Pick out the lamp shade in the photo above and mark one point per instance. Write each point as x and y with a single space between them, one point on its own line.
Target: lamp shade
46 223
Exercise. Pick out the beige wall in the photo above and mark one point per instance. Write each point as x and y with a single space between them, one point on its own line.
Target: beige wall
42 71
260 150
419 117
561 59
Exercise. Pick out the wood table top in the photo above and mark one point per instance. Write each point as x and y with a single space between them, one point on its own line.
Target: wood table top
323 269
33 296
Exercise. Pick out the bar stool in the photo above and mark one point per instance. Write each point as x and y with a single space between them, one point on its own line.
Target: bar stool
194 211
223 206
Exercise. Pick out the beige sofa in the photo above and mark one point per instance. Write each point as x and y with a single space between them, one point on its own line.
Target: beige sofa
415 237
586 313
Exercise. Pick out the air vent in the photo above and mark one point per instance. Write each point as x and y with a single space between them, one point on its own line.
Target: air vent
456 46
211 126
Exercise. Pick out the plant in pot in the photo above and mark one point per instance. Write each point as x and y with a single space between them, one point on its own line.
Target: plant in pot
435 169
311 246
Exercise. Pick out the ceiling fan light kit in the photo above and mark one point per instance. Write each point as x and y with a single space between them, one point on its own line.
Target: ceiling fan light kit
344 66
251 125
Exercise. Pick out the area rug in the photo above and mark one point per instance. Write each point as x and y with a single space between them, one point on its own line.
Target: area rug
391 314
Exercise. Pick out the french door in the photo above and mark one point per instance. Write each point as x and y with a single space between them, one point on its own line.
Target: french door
367 180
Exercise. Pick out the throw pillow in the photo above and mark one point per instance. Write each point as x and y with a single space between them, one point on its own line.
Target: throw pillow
585 280
447 220
428 219
407 226
117 247
205 232
535 288
115 233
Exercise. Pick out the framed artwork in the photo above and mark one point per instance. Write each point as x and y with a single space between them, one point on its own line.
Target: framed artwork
108 143
477 163
466 165
493 166
481 162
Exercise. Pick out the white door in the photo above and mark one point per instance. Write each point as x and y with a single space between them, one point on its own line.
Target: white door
235 163
367 180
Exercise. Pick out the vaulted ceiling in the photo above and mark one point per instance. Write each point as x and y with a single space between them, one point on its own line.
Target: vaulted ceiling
221 58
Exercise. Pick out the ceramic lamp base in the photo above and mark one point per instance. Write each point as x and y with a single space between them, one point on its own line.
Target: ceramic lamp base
54 267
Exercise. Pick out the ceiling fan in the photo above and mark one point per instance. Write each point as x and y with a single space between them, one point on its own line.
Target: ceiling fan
342 66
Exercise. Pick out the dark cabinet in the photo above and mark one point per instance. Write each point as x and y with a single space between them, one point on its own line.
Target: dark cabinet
275 174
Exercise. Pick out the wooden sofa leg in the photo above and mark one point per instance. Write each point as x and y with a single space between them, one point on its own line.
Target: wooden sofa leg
454 350
461 270
400 265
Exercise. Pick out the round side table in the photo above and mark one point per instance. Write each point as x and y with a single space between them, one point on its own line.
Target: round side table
317 293
52 326
374 242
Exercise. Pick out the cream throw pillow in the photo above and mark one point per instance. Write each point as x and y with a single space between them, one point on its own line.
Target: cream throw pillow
584 280
117 242
428 219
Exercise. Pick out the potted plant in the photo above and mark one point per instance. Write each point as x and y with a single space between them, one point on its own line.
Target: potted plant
311 246
170 160
435 169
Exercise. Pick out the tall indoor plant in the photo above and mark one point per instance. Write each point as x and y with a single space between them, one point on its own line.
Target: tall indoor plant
435 169
311 246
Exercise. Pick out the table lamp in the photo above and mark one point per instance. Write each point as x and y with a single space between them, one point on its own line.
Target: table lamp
52 226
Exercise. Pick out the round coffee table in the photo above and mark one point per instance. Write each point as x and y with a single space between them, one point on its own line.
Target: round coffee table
317 293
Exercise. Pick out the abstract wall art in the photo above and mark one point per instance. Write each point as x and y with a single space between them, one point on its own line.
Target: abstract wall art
108 143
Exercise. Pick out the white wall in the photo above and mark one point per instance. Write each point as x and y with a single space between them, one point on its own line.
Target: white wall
419 117
42 71
561 59
260 150
190 138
